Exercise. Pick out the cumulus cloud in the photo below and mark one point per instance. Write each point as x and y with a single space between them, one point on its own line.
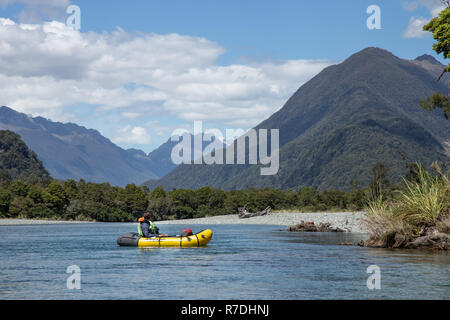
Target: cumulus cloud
37 10
47 67
415 28
434 6
415 24
133 135
163 130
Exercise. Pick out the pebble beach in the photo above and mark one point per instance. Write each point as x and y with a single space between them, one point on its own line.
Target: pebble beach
348 221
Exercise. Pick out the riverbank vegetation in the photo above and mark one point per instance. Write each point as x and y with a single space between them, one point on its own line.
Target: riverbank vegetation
86 201
418 218
27 191
47 198
72 200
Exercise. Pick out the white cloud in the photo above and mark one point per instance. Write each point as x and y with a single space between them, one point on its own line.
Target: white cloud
37 10
415 28
131 115
161 129
415 24
132 135
46 68
434 6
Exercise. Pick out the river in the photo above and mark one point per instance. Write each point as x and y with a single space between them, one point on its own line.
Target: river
240 262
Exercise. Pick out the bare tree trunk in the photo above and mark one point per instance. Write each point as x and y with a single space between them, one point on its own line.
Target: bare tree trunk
442 74
243 213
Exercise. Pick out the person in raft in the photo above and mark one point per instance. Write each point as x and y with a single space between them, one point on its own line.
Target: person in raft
146 227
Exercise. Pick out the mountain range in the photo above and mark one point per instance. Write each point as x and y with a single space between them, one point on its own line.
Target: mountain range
339 124
70 151
332 131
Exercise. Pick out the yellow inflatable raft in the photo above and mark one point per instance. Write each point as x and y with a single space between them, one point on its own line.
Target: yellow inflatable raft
195 240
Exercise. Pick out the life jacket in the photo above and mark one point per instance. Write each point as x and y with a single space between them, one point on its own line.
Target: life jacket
152 227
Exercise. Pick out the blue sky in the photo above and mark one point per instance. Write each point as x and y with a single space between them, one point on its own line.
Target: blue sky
267 29
139 69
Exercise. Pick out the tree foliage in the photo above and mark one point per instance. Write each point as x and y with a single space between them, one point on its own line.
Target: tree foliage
440 27
70 200
17 161
41 197
437 100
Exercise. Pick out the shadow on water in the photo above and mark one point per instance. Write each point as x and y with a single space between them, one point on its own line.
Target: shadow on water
320 238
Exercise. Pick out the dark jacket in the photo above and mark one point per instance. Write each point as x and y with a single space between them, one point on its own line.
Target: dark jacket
145 225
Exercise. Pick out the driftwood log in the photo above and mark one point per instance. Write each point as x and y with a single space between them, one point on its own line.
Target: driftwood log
244 213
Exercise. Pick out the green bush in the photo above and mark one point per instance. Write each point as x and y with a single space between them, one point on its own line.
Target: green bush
5 200
183 212
334 199
20 207
134 199
41 212
161 206
308 197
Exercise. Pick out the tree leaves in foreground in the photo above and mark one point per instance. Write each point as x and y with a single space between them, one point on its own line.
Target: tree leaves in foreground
440 27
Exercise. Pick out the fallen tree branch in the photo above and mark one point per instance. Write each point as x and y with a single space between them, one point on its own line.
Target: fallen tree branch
244 213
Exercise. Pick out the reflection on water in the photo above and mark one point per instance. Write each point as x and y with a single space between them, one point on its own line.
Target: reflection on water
240 262
328 238
413 256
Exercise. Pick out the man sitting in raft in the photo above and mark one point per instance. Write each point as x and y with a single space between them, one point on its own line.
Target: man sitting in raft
146 227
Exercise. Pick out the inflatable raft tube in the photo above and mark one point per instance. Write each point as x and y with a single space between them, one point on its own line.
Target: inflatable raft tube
196 240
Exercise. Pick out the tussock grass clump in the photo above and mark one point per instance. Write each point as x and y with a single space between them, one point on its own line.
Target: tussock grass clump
422 209
423 201
383 223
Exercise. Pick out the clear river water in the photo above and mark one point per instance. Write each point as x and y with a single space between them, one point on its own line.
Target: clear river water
240 262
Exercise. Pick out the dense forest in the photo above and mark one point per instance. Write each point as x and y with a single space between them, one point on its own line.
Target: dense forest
72 200
17 161
27 191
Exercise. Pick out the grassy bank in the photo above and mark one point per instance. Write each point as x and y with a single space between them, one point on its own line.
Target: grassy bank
418 218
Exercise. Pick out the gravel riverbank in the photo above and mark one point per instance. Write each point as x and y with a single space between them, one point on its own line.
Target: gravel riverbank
348 221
